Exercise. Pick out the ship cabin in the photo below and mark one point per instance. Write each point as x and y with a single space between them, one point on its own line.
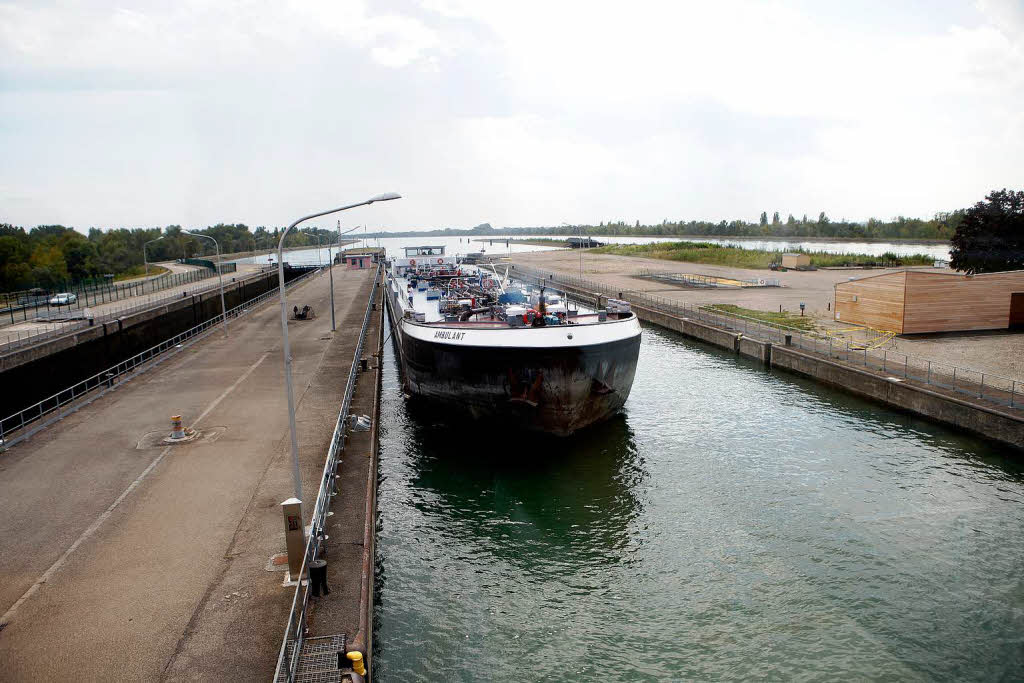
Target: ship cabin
420 258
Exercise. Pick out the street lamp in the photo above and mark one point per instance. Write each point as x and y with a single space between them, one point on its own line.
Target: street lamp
296 475
220 278
144 260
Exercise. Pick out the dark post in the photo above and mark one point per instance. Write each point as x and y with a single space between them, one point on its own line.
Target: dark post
318 577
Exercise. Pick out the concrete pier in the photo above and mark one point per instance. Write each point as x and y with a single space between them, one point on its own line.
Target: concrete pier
124 558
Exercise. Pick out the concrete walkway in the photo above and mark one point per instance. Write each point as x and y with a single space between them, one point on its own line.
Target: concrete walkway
124 559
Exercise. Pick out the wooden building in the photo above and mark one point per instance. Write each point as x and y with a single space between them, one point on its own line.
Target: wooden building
796 261
911 302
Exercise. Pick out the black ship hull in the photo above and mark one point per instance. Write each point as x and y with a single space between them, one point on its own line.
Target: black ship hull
558 390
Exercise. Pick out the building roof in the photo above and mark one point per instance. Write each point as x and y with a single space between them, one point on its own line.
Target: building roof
960 276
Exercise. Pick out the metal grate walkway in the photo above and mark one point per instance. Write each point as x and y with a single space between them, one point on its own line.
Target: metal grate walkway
318 662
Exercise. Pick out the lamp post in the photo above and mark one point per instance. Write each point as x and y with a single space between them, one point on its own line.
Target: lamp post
144 259
220 278
579 245
296 475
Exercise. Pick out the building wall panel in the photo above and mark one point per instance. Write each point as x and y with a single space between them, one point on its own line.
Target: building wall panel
874 301
939 302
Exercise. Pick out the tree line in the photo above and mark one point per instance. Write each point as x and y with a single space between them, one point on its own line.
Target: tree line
942 226
47 256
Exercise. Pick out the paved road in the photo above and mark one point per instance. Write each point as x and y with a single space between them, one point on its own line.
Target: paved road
124 559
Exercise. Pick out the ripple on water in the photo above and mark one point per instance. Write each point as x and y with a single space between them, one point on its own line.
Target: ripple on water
732 523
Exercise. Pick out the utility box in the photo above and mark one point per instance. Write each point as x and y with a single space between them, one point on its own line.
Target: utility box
796 261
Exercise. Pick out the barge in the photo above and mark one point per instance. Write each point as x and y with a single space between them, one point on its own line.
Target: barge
472 344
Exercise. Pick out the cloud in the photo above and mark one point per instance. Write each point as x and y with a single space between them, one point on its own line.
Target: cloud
514 113
1006 15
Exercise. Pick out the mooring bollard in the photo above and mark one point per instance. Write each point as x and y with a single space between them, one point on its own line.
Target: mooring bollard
789 340
318 577
363 364
357 662
177 431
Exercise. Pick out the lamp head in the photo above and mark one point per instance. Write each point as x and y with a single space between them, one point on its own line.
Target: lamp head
384 197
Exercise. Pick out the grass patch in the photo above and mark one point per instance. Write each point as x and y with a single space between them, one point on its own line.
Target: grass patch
800 322
737 257
140 271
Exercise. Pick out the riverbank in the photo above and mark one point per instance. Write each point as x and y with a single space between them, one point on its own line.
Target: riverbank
761 259
534 241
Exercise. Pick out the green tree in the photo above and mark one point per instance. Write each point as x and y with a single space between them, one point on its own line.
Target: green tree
764 218
80 255
990 235
48 266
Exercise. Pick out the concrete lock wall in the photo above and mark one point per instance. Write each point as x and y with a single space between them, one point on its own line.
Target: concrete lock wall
41 371
982 420
753 348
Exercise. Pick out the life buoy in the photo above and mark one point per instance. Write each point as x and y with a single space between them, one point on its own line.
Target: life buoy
412 262
440 261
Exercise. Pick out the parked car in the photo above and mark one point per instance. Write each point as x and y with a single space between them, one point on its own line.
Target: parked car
63 299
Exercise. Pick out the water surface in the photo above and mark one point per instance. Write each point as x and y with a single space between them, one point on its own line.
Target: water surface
732 523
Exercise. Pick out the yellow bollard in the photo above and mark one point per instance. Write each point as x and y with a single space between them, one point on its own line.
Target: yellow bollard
357 662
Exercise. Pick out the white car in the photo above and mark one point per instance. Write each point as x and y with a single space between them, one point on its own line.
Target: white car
63 299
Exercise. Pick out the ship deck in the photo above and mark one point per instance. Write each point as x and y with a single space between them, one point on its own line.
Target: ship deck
430 308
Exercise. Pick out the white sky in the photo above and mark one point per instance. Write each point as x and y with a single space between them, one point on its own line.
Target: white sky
125 114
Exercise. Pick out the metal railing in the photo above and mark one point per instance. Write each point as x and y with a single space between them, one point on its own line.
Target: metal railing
706 281
20 338
26 422
295 632
24 306
967 381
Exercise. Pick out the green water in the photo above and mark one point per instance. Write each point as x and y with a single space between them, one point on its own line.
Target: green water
733 523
